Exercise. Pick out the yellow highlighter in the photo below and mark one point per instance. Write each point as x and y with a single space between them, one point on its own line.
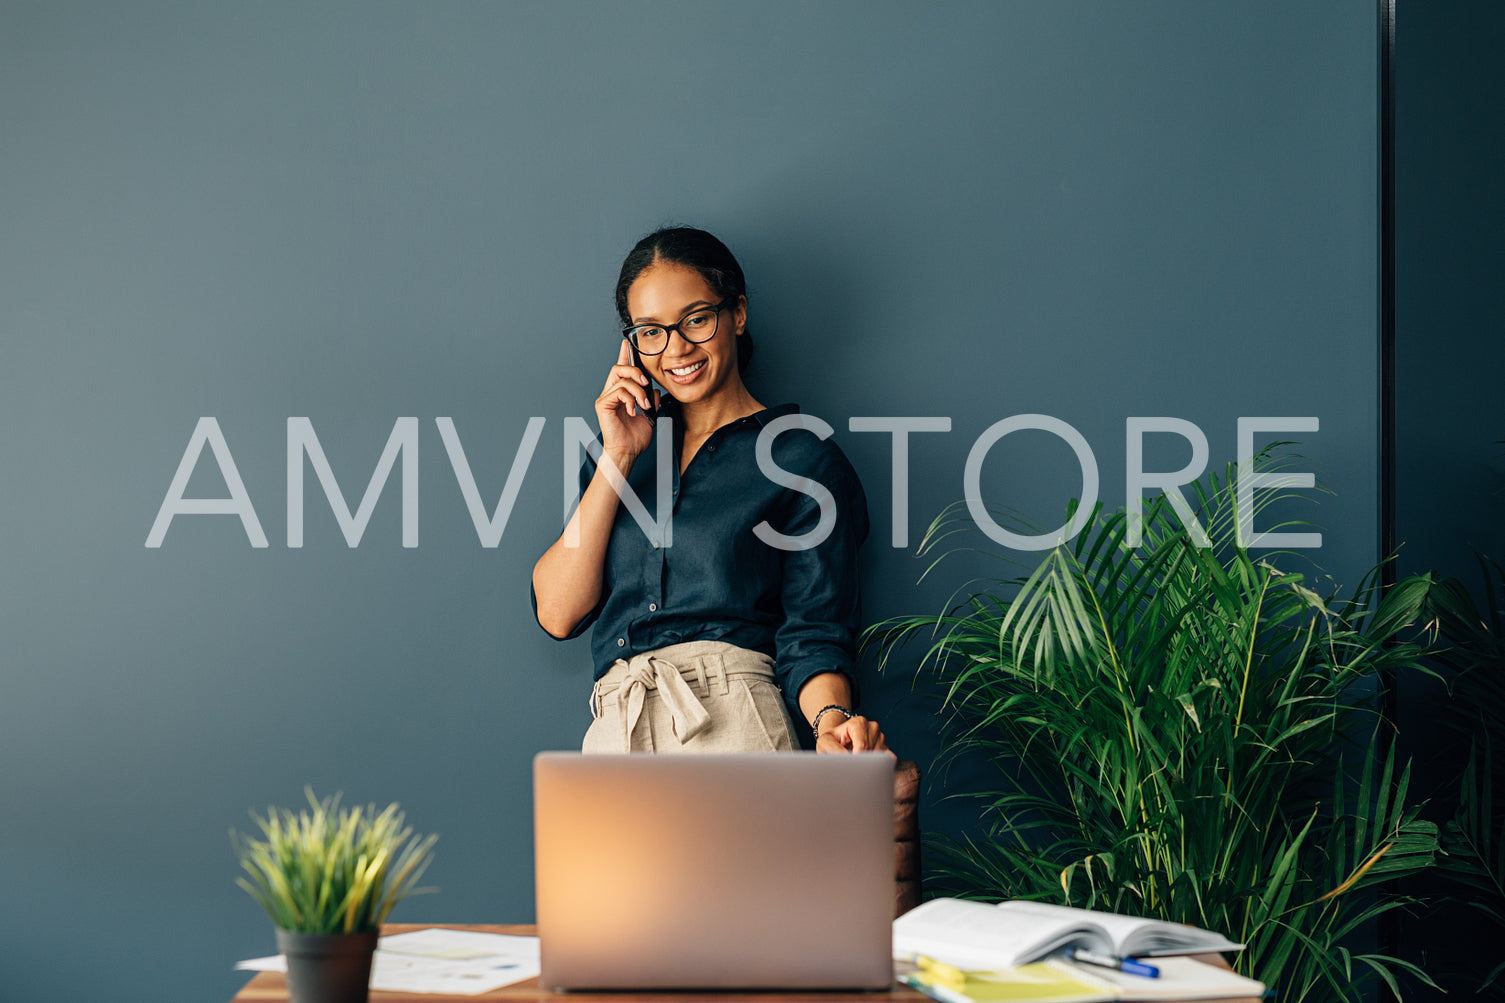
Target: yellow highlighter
939 971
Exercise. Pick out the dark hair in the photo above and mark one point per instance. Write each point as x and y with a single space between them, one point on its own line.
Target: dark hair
684 245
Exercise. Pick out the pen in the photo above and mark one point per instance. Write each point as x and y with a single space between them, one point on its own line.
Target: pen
1128 966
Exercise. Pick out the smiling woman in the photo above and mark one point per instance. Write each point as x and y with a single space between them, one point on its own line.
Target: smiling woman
713 643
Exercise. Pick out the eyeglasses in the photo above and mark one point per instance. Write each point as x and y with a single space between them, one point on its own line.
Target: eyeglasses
697 326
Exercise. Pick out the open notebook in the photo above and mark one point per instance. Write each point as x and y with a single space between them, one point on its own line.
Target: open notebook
975 935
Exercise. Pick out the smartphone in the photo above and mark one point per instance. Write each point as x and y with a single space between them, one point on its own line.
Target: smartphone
637 360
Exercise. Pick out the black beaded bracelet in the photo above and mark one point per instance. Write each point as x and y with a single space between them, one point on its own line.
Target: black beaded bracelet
815 725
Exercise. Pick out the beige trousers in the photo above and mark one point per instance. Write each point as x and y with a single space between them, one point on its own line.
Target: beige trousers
700 696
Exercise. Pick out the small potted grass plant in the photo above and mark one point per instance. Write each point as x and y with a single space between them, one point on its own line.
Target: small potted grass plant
328 876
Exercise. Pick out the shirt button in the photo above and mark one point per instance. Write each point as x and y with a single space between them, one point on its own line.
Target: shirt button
711 448
621 642
655 544
653 607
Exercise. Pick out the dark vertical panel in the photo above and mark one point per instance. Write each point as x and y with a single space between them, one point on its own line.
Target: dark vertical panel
1449 482
1387 294
1390 922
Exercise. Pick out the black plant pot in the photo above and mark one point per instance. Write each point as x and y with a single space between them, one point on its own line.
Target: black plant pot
327 967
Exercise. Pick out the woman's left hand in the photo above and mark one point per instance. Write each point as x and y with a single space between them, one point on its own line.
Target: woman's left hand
855 734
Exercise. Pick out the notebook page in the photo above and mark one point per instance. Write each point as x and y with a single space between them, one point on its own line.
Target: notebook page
975 936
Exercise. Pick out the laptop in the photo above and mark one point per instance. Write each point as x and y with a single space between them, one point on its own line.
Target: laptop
731 871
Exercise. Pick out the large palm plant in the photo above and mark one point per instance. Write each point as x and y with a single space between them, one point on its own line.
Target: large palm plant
1182 732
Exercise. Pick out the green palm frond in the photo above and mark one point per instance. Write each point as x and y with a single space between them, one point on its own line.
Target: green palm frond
1181 731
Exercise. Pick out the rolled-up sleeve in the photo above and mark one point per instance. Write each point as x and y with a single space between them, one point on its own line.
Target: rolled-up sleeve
587 471
822 606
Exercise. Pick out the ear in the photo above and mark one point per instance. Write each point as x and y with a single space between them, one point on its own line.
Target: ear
740 312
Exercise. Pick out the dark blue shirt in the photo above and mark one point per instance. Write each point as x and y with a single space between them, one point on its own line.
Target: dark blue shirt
717 580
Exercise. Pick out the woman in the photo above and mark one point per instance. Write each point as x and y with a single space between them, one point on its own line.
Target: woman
754 595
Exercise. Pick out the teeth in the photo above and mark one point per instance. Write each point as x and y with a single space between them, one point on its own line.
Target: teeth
687 370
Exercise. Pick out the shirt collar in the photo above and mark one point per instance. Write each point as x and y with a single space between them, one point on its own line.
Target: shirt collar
768 414
671 408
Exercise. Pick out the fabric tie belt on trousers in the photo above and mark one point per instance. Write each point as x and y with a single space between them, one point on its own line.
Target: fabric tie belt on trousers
629 680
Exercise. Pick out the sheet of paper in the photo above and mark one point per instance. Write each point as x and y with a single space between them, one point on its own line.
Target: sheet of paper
411 973
461 945
451 962
275 963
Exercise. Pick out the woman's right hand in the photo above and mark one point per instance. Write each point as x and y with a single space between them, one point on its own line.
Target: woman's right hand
625 430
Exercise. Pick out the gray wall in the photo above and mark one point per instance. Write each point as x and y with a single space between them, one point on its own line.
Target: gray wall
356 212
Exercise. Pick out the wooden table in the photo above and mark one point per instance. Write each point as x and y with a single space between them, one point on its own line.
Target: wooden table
271 987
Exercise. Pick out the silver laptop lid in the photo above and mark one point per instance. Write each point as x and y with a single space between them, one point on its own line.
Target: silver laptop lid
757 870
